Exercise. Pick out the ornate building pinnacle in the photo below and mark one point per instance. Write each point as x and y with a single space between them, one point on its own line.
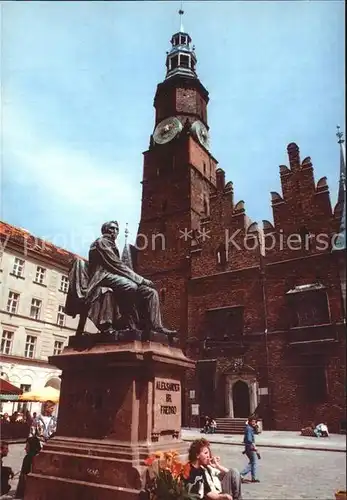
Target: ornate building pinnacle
339 135
181 60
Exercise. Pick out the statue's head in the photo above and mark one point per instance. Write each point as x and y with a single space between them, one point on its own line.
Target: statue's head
110 228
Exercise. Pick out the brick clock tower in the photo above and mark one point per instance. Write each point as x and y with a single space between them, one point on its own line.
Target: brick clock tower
179 174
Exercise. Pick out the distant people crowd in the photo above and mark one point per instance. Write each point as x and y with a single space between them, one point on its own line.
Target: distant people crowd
17 417
15 426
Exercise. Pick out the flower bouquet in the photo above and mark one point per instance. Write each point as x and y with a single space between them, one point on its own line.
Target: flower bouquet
165 477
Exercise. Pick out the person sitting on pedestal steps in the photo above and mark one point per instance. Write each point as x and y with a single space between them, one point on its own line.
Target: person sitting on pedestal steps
5 471
137 295
207 478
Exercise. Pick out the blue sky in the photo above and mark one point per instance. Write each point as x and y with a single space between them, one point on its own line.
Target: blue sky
78 81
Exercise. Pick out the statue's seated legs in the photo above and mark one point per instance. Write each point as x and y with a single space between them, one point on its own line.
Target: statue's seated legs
134 298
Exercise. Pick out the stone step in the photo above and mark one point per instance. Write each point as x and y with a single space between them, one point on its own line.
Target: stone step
228 425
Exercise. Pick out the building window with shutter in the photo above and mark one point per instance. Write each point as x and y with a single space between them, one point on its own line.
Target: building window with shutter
58 347
18 267
64 284
40 275
6 342
30 346
35 309
23 407
61 316
309 308
225 323
12 302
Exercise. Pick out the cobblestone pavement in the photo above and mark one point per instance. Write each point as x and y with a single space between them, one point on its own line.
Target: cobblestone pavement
284 473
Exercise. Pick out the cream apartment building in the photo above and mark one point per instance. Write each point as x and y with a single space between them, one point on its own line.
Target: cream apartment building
33 287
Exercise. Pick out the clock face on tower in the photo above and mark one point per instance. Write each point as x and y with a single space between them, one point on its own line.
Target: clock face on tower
166 130
201 133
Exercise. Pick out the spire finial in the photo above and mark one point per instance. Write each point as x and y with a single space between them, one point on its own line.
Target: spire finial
126 232
181 12
339 135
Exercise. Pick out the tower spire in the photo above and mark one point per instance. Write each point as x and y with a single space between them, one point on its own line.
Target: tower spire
342 181
126 233
126 254
181 12
181 60
341 199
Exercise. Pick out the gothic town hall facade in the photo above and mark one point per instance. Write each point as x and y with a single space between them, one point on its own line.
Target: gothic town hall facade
261 310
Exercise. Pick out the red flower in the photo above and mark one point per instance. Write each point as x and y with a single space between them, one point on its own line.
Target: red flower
150 460
186 470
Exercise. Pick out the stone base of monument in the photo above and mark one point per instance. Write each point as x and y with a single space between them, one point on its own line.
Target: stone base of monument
119 402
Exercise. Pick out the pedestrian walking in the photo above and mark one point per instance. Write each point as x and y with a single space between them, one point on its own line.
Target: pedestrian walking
250 450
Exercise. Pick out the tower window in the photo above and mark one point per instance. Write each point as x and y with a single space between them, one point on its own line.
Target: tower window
206 210
174 62
183 40
184 61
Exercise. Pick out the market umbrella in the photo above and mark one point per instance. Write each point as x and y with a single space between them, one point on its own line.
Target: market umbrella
41 395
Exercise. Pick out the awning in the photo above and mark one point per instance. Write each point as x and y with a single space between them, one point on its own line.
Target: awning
306 288
7 388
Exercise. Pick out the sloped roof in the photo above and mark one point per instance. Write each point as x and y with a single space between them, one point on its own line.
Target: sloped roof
35 246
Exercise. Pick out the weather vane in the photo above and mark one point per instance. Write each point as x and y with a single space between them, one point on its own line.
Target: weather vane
339 135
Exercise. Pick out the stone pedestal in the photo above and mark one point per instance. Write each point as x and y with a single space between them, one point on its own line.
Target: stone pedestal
119 402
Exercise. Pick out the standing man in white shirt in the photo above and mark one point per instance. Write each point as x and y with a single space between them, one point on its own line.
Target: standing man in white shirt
44 425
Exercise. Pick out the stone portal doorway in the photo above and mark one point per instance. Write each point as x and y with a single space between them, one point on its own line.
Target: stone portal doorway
241 403
241 392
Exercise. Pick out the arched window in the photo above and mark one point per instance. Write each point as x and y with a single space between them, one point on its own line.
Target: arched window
305 237
205 204
221 255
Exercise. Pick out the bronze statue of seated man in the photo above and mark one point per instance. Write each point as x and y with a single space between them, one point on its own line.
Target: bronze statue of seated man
110 293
